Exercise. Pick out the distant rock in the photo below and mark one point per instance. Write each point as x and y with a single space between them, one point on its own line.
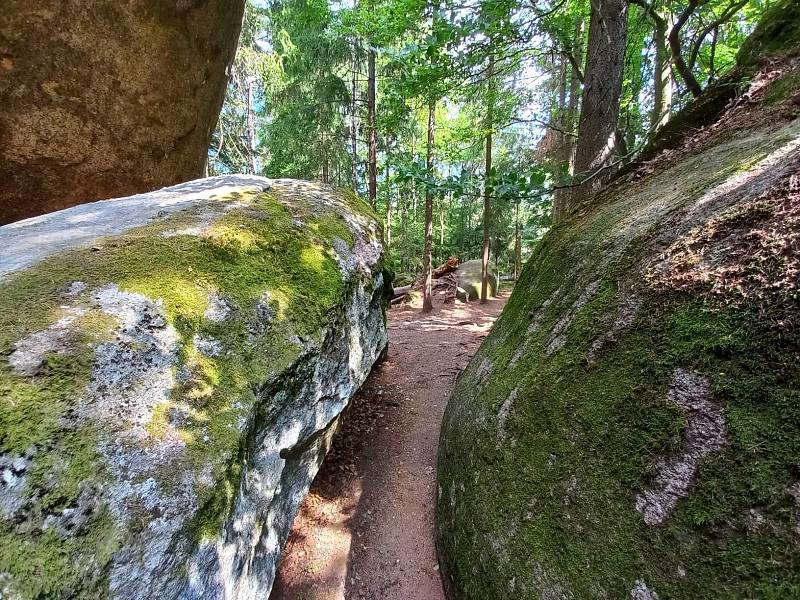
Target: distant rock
172 368
469 277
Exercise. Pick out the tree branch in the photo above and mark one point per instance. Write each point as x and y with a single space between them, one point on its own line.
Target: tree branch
651 12
726 16
575 66
675 47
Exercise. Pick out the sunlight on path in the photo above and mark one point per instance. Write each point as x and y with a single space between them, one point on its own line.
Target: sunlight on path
366 528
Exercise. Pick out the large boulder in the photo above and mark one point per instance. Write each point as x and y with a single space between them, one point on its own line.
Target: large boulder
631 426
107 98
469 277
172 366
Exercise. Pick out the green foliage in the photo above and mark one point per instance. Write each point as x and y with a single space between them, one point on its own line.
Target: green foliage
304 108
235 145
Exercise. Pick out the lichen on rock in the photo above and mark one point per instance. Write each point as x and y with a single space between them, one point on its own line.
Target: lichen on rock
165 400
703 435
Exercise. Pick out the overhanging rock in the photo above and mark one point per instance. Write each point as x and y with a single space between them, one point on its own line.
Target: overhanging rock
172 366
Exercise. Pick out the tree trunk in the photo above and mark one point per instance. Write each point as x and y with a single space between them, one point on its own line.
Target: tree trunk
251 128
388 225
441 226
414 204
564 146
605 63
461 233
712 72
674 38
662 75
517 244
104 99
561 197
576 80
403 208
427 300
354 120
323 145
372 161
487 190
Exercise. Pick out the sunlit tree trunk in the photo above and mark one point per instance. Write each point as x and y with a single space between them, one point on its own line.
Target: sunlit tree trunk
487 190
575 81
251 128
354 119
564 146
662 74
561 196
427 299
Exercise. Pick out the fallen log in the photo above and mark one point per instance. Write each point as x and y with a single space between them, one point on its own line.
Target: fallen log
444 287
450 265
446 268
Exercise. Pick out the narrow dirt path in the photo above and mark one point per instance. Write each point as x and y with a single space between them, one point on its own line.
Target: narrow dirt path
366 528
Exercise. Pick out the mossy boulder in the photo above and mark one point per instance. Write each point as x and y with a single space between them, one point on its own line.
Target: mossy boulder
172 366
469 277
631 426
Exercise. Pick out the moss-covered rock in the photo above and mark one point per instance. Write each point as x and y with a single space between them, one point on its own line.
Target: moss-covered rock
171 368
631 426
469 278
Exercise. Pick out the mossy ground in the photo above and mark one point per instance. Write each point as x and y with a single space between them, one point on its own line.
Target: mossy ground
550 511
272 247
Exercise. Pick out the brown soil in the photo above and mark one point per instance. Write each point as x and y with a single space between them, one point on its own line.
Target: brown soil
366 528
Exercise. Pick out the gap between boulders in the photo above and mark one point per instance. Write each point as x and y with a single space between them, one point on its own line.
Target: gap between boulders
366 529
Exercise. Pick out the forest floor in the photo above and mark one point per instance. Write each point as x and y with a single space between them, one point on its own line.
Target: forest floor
366 529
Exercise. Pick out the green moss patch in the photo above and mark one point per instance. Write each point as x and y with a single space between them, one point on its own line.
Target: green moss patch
560 420
269 257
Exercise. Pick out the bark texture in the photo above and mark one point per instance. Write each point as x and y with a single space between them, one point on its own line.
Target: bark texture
487 190
562 196
608 30
372 161
107 98
487 214
354 121
662 74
